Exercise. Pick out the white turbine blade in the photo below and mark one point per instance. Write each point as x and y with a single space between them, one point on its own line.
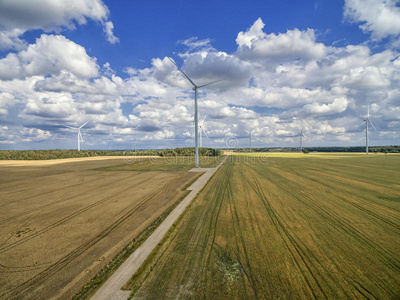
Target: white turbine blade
202 122
200 86
187 77
247 131
368 112
80 135
83 124
205 132
71 127
372 125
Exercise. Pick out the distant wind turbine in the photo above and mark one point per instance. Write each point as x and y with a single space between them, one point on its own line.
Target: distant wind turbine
196 121
250 136
366 121
80 139
201 130
301 135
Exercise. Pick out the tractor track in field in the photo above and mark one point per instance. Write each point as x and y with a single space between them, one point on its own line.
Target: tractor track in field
238 242
63 197
300 246
59 200
67 218
33 282
286 236
18 185
211 232
339 225
334 218
255 284
319 208
351 192
342 226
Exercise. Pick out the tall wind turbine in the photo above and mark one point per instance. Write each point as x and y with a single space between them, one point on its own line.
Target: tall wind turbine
196 120
250 136
80 139
366 121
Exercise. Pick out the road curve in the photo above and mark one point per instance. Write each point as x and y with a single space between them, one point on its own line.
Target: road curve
111 289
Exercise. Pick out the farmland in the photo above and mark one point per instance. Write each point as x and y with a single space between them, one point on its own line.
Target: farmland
62 221
285 227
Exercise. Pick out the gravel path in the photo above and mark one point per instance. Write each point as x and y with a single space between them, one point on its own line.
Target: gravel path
111 289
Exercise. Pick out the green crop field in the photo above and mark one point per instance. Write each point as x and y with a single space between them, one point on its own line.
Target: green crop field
285 228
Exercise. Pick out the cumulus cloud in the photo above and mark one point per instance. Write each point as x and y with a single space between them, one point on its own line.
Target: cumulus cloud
380 18
49 55
19 16
337 106
254 44
11 40
270 79
34 134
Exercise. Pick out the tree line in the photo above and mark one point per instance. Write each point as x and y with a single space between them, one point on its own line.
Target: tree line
58 154
374 149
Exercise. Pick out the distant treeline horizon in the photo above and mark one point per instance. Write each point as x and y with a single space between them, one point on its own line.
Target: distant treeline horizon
375 149
187 151
59 154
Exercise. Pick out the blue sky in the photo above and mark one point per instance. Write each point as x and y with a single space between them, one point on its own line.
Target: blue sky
288 66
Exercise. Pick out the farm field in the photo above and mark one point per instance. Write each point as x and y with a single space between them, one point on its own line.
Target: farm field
62 221
325 226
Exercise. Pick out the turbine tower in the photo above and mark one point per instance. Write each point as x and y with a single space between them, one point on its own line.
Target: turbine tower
250 136
196 120
80 139
366 121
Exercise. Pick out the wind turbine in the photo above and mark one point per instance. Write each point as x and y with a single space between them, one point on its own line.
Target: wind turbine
366 121
80 139
201 129
196 120
301 135
250 136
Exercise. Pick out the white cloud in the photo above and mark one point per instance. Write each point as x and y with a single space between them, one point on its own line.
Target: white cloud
381 18
270 79
108 29
6 100
254 44
19 16
34 134
51 54
11 40
337 106
194 43
160 135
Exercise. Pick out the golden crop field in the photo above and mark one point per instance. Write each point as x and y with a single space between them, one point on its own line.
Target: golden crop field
325 226
62 221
